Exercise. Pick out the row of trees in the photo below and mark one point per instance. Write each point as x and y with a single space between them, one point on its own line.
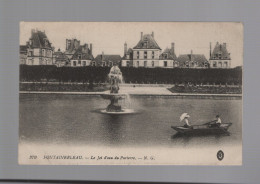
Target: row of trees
131 75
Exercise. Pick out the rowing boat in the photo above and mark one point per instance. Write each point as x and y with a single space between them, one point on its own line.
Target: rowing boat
207 128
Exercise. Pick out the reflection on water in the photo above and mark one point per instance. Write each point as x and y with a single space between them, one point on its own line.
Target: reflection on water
74 119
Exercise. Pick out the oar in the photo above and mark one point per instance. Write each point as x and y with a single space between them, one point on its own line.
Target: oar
209 122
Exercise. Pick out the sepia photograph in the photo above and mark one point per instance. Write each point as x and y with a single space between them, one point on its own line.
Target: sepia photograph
130 93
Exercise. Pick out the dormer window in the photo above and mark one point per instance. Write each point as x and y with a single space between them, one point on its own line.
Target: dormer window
79 56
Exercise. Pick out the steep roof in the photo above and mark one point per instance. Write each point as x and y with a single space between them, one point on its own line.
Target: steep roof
60 56
39 40
199 58
220 52
84 52
168 54
107 58
147 42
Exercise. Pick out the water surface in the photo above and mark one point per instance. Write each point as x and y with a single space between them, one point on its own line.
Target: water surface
75 119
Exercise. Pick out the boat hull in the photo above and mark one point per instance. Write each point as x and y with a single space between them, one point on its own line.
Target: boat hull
203 129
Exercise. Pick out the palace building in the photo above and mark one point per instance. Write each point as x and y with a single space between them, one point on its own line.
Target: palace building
105 60
60 59
39 49
82 56
168 58
192 61
220 57
146 53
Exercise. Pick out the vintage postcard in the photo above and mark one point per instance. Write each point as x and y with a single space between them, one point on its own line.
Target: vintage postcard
130 93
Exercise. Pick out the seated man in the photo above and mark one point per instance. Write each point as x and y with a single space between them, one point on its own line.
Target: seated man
218 122
215 123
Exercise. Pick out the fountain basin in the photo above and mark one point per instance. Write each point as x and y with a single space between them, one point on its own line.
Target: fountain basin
113 95
122 112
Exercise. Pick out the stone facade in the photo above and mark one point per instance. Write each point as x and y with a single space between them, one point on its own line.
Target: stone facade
60 59
82 56
39 49
23 54
220 57
146 53
168 58
192 61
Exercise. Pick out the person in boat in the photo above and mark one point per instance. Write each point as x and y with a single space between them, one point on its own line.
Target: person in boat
187 124
184 117
218 121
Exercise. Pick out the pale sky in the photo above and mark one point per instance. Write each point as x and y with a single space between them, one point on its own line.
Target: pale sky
110 37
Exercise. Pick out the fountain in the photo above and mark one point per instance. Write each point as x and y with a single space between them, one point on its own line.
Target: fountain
115 77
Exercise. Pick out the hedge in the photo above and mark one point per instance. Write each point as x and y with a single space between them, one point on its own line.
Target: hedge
132 75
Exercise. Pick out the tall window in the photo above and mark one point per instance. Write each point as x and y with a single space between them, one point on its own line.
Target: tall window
145 54
137 56
214 64
137 63
152 63
127 63
30 53
84 63
74 63
152 54
165 64
225 64
145 63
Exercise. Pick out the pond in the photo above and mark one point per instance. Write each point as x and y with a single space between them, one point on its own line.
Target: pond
76 120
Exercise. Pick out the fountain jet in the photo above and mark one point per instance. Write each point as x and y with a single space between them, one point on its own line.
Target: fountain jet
115 77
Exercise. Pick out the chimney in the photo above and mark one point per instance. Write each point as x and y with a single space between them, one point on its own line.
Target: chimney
153 34
102 56
173 51
125 48
210 49
90 49
141 35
